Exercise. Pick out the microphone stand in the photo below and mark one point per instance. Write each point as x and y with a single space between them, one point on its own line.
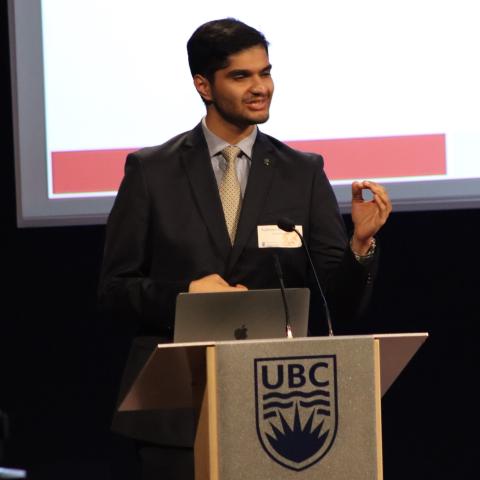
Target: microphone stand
278 268
289 226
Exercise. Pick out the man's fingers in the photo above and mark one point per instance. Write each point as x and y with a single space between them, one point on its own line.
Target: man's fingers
382 198
358 187
377 190
215 278
213 283
357 191
383 207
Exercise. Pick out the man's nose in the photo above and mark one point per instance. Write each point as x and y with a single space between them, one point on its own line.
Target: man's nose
259 85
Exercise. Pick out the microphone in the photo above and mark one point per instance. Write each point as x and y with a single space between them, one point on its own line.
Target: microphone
287 225
278 269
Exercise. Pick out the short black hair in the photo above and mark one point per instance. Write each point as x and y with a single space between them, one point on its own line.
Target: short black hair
213 42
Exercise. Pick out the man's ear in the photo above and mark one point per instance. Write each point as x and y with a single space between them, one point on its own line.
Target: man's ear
203 87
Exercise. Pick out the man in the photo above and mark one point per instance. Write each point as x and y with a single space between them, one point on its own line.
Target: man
175 228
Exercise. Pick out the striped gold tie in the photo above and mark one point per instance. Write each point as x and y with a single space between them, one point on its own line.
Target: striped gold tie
230 192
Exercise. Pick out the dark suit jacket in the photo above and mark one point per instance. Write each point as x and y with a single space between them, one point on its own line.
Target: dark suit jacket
167 228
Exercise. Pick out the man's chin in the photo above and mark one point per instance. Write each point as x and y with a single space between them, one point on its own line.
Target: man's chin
258 119
264 118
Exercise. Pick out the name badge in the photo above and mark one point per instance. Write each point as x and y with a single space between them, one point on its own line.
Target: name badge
270 236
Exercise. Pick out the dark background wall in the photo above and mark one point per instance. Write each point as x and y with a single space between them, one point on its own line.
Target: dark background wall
60 360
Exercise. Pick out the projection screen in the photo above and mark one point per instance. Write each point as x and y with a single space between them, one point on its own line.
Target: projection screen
384 90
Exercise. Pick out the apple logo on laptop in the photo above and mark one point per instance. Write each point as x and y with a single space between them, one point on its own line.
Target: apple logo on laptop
241 333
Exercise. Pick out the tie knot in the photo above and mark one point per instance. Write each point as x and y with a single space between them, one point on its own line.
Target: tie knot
230 153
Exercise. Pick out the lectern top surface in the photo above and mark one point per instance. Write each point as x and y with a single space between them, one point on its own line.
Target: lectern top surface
420 336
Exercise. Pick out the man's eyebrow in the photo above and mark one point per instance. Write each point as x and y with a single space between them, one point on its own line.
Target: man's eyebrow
239 71
246 71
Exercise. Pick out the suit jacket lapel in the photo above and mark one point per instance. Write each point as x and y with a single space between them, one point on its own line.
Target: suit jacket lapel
258 185
198 167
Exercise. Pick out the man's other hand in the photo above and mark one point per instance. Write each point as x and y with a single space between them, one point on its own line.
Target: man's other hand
368 216
213 283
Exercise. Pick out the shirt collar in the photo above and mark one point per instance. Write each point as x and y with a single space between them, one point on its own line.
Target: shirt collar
216 144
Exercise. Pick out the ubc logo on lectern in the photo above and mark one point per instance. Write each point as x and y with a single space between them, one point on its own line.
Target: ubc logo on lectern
296 408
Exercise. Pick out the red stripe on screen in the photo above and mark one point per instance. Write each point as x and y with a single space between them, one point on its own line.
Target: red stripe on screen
91 171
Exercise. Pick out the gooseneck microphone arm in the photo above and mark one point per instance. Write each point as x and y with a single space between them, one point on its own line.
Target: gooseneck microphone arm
278 269
288 226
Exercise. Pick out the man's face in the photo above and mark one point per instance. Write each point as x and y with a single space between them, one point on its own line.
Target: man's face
240 94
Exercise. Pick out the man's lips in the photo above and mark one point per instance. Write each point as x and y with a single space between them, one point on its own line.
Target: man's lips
257 103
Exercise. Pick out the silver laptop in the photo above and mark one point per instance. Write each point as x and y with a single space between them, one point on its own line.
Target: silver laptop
250 314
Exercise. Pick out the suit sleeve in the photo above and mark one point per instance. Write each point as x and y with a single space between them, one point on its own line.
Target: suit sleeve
347 282
126 286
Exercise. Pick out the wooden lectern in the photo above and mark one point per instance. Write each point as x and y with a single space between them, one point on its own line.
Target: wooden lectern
305 408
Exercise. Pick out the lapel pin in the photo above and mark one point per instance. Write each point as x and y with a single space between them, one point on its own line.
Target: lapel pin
267 162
